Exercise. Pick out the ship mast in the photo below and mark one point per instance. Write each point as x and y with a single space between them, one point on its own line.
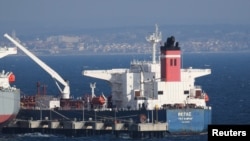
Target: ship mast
154 39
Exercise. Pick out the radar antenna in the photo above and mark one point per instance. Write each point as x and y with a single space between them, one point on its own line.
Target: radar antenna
154 39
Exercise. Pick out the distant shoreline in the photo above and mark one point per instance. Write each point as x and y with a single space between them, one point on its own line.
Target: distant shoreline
97 54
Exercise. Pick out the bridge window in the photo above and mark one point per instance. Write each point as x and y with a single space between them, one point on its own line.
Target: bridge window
175 62
160 92
186 92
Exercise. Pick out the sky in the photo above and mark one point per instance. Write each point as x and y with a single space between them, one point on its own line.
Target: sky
118 13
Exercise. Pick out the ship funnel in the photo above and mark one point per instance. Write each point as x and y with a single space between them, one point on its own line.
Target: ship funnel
170 60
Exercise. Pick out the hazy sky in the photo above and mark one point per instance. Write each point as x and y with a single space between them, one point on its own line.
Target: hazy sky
116 13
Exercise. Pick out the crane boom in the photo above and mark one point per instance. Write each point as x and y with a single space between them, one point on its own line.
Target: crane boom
66 91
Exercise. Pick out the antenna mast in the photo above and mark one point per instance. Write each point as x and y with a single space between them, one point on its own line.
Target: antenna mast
154 39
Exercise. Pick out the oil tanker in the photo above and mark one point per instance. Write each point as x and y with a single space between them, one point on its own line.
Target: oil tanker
9 95
149 91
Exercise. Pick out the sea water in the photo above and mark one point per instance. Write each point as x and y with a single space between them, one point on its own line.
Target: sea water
228 86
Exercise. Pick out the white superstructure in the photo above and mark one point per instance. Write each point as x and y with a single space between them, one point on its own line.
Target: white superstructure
4 51
155 83
5 77
9 95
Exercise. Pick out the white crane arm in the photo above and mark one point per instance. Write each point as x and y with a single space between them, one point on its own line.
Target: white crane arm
66 91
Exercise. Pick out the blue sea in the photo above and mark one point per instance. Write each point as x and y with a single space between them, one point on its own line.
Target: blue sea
228 86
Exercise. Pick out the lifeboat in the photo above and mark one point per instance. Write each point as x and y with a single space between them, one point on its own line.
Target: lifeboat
99 100
12 78
206 98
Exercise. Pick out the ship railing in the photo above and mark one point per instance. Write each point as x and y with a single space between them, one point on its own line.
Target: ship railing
197 87
138 62
184 106
190 69
9 89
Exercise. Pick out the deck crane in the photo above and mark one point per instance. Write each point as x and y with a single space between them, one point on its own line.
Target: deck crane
66 90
